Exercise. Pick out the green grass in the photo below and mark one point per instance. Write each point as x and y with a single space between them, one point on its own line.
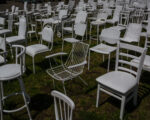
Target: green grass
40 85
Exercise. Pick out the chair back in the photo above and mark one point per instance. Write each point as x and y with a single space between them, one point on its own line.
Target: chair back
25 6
133 32
80 29
20 57
102 16
124 59
63 105
33 7
47 35
123 19
2 44
81 17
10 22
2 21
62 13
110 36
117 12
77 57
16 10
22 27
12 9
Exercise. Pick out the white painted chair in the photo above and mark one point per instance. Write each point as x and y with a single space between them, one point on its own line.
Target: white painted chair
3 50
108 36
123 82
2 23
47 36
73 67
79 30
116 15
63 105
9 72
81 17
21 37
123 21
101 20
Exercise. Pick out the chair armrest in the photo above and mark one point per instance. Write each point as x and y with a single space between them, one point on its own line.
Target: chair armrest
56 54
77 65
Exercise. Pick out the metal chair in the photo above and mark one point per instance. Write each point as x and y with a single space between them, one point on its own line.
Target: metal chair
9 72
123 82
73 67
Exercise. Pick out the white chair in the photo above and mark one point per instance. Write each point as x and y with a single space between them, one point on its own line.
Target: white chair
123 21
79 30
47 36
73 67
116 14
101 20
63 105
109 36
3 52
123 82
9 72
2 23
21 37
132 33
81 17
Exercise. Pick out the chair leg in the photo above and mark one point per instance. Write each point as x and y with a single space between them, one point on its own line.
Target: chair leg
24 97
64 88
33 65
98 95
2 91
122 107
1 105
89 60
63 45
135 96
54 83
108 63
90 33
83 81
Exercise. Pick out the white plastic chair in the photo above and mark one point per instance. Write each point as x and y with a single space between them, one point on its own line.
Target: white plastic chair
9 72
63 105
108 36
101 20
21 37
73 67
123 82
47 36
79 30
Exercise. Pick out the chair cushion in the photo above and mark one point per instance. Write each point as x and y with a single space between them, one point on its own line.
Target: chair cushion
118 81
103 48
14 39
71 40
32 50
10 71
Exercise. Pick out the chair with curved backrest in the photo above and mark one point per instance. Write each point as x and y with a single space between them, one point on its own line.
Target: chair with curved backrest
47 36
63 105
123 82
9 72
74 65
21 37
108 36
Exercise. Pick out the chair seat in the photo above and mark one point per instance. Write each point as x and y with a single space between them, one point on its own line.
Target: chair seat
98 22
2 60
120 28
103 48
31 32
10 71
71 40
112 21
14 39
68 29
32 50
119 81
60 73
4 31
